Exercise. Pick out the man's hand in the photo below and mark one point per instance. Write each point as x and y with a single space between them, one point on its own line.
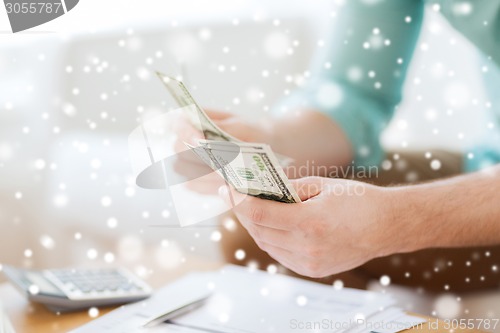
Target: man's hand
200 178
259 131
340 225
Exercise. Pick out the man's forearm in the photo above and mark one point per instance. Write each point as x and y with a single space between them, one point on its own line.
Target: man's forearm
456 212
311 137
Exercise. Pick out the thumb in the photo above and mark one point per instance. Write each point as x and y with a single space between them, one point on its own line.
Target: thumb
308 187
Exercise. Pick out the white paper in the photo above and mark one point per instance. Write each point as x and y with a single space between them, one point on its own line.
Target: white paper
131 317
5 324
260 302
390 320
245 301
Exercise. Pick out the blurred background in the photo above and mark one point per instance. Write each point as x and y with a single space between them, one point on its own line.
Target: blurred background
71 92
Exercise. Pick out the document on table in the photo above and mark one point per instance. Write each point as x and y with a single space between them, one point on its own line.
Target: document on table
5 325
257 302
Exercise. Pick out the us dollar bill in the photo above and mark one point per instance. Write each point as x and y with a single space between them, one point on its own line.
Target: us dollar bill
199 118
251 168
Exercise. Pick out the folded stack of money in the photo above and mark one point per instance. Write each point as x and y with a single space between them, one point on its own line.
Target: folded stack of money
250 168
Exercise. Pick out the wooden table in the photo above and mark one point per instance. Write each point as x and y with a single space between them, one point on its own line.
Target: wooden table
31 317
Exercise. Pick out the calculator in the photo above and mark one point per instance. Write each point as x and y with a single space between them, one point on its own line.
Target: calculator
63 290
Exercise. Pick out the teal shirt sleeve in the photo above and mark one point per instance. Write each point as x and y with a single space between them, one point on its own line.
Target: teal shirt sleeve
357 77
479 21
486 151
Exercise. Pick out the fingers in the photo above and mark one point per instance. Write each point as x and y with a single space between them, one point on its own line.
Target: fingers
291 260
218 115
308 187
275 237
233 125
267 213
186 131
189 169
283 256
236 127
206 185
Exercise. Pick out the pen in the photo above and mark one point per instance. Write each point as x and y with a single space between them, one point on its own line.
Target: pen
186 308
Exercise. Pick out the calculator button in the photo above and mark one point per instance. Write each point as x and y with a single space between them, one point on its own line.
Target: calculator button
98 284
